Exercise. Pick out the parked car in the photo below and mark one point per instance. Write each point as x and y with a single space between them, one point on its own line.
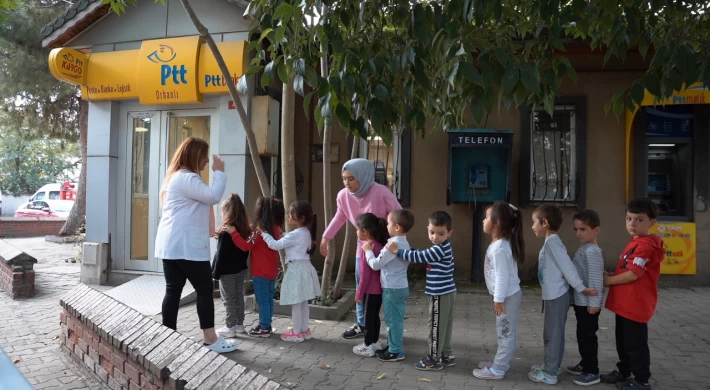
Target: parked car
53 191
45 209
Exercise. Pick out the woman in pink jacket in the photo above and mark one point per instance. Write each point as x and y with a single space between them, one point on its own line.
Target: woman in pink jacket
360 195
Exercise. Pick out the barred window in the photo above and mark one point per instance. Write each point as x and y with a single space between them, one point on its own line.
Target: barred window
553 155
392 163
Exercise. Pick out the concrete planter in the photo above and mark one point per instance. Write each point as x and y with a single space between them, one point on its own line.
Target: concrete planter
334 312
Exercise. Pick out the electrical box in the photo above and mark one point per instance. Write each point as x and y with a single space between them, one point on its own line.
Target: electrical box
480 162
265 121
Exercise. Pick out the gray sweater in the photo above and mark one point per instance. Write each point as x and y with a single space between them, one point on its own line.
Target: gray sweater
590 266
556 271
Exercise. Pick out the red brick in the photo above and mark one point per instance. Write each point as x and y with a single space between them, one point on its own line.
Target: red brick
106 364
133 386
105 351
146 385
78 352
91 363
94 355
113 384
118 361
94 334
132 373
101 373
120 378
83 346
62 318
17 275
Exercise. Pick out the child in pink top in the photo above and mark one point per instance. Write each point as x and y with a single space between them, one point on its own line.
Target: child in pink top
372 231
360 195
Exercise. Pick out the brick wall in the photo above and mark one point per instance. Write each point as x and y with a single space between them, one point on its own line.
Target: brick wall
128 350
17 277
30 227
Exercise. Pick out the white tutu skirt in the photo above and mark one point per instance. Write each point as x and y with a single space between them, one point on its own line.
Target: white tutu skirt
300 283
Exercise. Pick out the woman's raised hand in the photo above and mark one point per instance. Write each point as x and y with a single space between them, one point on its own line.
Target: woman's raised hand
217 163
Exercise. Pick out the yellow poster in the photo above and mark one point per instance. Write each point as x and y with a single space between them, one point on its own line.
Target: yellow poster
68 65
167 71
679 243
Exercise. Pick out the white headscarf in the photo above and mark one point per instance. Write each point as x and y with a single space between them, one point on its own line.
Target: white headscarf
362 170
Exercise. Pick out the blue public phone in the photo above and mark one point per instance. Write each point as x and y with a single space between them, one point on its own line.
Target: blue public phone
478 179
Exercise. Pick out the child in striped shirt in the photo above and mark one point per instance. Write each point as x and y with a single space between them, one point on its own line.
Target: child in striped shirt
440 288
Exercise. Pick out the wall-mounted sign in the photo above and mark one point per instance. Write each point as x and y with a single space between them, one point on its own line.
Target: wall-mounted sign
679 243
163 71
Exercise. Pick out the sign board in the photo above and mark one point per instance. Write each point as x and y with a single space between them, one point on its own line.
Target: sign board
679 241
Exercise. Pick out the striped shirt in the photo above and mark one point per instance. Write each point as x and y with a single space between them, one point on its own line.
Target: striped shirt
590 266
440 269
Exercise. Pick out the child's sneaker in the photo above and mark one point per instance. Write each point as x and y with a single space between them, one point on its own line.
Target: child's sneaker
292 337
541 368
575 370
448 361
614 377
239 329
541 377
428 364
257 331
587 379
228 332
307 335
487 364
387 356
486 373
633 385
364 350
354 331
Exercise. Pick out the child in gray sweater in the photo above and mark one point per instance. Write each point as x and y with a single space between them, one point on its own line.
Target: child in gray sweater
556 273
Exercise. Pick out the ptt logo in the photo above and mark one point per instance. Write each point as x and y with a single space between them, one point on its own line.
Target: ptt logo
164 55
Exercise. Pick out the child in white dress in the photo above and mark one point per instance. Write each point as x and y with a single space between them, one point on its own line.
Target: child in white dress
300 283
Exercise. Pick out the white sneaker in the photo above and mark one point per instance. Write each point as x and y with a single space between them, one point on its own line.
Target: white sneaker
364 350
227 332
239 329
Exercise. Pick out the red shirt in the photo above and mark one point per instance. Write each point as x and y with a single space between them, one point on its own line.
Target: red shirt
264 261
637 300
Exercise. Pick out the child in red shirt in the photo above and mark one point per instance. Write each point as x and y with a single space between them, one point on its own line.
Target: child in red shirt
633 295
270 214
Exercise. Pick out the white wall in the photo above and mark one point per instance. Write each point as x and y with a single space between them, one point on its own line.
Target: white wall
11 203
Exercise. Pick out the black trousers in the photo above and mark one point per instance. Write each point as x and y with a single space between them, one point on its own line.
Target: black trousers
632 347
587 326
199 273
372 303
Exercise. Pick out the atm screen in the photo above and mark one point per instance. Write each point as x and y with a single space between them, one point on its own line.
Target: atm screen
658 184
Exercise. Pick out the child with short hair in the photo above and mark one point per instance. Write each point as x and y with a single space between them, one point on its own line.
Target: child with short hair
590 266
230 264
633 294
373 232
300 283
269 215
504 223
395 287
440 288
556 273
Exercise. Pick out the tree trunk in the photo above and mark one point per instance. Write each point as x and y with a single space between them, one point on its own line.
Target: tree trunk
288 160
349 239
327 194
78 211
234 94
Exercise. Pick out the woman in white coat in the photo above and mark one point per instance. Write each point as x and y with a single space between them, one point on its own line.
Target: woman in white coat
182 241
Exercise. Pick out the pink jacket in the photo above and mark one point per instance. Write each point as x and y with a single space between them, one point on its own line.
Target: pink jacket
378 200
369 278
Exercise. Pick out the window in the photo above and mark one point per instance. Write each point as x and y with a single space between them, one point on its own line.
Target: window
40 195
553 154
392 163
54 195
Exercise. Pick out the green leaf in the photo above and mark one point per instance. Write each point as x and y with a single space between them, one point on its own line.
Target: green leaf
608 54
607 106
503 57
477 110
343 114
653 85
371 67
283 12
452 74
298 84
420 25
510 80
618 107
471 74
337 43
299 66
283 73
376 119
349 83
265 79
307 102
382 93
254 69
280 33
530 76
637 93
489 99
312 77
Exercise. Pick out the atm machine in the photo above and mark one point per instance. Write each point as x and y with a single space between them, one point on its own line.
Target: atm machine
480 163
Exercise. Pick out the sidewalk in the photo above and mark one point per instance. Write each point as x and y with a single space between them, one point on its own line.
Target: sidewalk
29 328
679 338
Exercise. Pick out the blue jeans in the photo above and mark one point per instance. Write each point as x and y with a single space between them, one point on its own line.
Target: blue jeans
395 303
359 309
264 294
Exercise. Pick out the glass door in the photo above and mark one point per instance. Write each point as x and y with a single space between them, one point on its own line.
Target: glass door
144 131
